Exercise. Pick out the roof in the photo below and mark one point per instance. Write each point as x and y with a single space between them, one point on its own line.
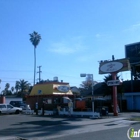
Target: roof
52 82
51 88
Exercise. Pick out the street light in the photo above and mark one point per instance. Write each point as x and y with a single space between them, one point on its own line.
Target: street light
84 75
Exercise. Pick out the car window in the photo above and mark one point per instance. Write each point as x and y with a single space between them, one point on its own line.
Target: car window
16 102
2 106
12 103
9 106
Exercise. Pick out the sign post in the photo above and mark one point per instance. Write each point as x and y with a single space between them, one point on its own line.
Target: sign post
114 95
113 67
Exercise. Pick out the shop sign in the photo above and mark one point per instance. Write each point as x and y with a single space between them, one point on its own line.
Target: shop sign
111 67
113 82
63 88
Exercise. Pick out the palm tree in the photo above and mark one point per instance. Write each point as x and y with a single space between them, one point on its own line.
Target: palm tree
7 85
23 85
12 89
17 86
35 39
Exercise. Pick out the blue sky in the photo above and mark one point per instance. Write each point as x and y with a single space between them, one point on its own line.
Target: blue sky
76 34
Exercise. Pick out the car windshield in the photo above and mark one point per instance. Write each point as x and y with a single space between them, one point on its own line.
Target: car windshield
9 106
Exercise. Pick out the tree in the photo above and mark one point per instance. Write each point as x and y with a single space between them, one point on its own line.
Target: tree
17 86
22 88
3 92
12 89
23 85
35 39
6 91
88 82
7 85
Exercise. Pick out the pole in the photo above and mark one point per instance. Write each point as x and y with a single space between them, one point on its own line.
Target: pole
114 96
92 94
39 72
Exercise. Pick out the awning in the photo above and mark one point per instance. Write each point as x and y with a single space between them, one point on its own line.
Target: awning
67 98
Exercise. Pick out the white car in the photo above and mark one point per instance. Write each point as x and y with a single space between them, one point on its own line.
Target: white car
9 109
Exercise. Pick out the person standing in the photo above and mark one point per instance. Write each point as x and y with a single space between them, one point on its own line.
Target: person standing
58 109
70 107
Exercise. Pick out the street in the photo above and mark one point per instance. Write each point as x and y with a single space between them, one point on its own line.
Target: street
111 134
34 127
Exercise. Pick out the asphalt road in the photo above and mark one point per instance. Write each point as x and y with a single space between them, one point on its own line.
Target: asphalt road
111 134
42 128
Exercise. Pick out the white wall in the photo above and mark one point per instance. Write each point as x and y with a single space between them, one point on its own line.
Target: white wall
7 100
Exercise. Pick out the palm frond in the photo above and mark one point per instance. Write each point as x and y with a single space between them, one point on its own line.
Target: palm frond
35 38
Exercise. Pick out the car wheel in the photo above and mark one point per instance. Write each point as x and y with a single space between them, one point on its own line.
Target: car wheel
17 112
0 112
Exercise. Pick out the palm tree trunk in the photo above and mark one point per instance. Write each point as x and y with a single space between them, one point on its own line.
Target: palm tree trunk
34 63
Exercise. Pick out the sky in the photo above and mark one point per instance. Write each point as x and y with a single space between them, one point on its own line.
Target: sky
76 35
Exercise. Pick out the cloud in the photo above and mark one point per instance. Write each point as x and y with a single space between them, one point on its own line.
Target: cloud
95 56
133 28
61 48
69 46
103 36
85 58
97 35
90 57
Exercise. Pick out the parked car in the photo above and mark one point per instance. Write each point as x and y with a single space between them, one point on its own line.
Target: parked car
7 108
20 104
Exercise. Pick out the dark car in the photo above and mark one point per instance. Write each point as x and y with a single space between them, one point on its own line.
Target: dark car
20 104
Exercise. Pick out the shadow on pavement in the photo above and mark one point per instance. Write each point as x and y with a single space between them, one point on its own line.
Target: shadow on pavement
39 128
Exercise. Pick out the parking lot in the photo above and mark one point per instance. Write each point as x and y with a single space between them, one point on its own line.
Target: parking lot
34 127
29 126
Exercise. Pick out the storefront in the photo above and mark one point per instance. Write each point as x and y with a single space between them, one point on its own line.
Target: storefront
49 93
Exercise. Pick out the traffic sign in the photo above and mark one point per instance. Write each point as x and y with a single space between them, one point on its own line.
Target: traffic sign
113 82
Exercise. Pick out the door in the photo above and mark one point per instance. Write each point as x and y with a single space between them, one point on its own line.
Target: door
10 109
3 108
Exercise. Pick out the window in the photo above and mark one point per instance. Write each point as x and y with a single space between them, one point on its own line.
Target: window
2 106
47 100
9 106
57 101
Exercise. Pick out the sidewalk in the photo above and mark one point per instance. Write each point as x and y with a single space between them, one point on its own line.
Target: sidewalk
121 114
127 115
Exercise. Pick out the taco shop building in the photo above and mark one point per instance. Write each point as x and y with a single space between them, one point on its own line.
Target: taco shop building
51 93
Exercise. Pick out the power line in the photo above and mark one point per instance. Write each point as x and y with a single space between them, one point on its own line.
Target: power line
13 78
16 70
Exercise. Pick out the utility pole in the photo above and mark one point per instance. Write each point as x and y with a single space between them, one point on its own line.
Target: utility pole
39 72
